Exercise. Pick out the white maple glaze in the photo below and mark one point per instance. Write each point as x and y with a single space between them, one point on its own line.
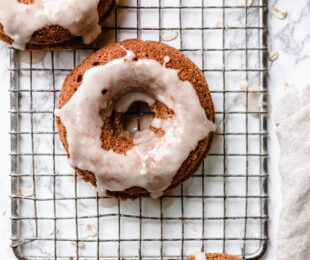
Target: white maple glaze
153 161
166 60
20 21
126 100
200 256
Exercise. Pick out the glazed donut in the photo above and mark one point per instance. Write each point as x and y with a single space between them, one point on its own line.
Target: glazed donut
214 256
155 160
48 24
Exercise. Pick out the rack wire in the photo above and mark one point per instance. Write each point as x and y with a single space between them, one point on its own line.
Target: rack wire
222 208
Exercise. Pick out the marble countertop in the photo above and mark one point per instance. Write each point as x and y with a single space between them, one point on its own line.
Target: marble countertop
290 37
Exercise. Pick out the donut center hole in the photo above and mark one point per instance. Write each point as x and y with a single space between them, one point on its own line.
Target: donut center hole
137 118
26 2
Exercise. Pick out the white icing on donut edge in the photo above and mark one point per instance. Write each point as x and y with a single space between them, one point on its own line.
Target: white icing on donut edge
200 256
20 21
153 161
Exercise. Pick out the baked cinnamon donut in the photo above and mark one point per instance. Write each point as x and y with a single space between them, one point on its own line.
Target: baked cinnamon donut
148 163
214 256
48 24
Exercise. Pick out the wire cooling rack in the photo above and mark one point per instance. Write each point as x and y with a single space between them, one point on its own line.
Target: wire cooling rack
222 208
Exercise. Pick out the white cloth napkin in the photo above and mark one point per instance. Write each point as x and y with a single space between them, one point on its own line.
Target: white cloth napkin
293 131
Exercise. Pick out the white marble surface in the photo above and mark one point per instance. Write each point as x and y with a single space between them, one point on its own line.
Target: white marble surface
290 37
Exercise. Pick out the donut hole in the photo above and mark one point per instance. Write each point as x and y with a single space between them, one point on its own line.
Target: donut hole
27 2
137 118
79 78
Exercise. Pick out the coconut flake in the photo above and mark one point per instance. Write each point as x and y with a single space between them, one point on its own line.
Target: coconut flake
273 55
289 88
280 13
54 231
191 225
287 85
220 24
247 2
80 244
169 36
26 192
91 230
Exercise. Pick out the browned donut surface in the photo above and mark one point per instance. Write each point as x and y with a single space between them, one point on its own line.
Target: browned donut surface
56 37
217 256
112 126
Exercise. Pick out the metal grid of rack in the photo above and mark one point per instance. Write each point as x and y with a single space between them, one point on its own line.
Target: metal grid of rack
223 208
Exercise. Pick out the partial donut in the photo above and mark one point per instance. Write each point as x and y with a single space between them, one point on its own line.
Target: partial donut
150 162
214 256
39 24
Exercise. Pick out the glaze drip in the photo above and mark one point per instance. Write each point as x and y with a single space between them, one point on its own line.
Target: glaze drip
166 60
153 161
200 256
20 21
